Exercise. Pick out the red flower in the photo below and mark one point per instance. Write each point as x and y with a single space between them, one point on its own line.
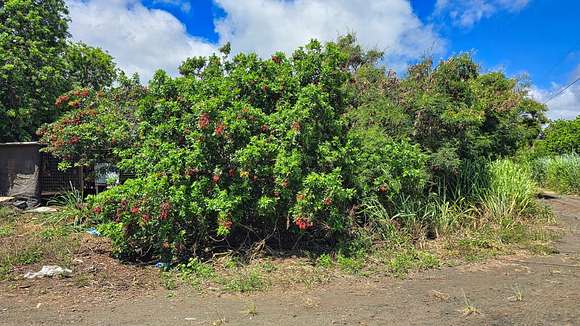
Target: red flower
264 128
219 129
97 210
327 201
164 211
276 59
296 126
303 224
146 218
203 120
73 140
383 188
61 99
135 209
227 224
84 93
215 178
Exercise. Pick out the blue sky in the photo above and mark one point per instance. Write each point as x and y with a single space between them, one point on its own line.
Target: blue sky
540 38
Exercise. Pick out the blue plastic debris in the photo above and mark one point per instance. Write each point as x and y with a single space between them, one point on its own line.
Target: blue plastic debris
93 231
162 265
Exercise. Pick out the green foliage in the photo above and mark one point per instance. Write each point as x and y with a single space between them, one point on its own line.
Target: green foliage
386 168
511 191
307 147
95 125
560 137
461 114
559 173
246 142
37 64
87 66
32 38
406 260
247 281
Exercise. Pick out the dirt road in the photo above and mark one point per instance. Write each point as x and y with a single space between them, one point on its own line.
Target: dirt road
515 290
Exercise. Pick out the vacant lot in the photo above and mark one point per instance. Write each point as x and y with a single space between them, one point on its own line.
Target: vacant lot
506 290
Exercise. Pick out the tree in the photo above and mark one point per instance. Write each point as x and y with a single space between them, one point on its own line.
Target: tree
561 137
37 64
32 39
88 66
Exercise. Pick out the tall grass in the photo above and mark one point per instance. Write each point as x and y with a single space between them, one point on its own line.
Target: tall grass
511 190
560 173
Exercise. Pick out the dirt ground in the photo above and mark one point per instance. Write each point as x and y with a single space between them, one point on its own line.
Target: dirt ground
512 290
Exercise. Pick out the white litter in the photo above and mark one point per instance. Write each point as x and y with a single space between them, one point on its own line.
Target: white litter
49 271
43 210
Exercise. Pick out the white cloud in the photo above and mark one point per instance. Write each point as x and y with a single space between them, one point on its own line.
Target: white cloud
565 105
140 39
266 26
143 39
466 13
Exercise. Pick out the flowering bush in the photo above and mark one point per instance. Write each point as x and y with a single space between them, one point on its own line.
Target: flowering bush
93 125
235 149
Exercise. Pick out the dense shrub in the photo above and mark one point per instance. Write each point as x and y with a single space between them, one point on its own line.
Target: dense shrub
248 147
291 147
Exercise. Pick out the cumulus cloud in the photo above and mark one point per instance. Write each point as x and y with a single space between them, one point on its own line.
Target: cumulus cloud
565 105
266 26
466 13
140 39
143 39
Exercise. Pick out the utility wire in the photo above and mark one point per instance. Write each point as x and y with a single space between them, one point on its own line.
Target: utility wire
563 58
562 90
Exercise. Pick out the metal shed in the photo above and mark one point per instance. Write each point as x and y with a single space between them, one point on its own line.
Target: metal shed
27 174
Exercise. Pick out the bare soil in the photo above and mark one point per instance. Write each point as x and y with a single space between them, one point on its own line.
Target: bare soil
509 290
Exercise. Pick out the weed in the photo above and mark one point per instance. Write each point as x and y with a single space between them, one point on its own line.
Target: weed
468 308
6 213
251 309
51 233
351 265
245 282
324 261
6 231
410 259
82 280
27 256
168 281
518 294
268 267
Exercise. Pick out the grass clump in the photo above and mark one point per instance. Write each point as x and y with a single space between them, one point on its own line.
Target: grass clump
246 281
404 261
559 173
511 191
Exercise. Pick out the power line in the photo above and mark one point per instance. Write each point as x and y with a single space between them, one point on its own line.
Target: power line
562 90
562 59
